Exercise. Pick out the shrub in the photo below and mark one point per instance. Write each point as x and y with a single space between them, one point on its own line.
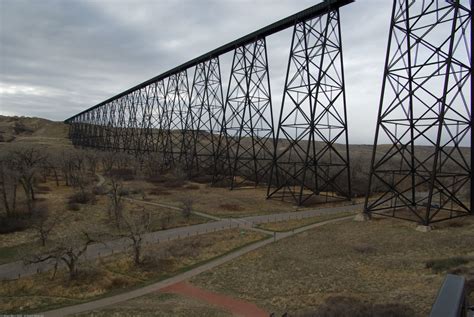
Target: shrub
203 179
192 186
158 191
119 282
175 183
126 174
124 192
82 198
13 224
441 265
187 208
99 190
74 206
340 306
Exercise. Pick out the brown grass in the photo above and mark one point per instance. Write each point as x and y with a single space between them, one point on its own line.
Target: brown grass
39 292
382 262
86 216
220 202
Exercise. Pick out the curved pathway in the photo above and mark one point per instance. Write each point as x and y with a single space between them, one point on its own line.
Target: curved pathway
103 302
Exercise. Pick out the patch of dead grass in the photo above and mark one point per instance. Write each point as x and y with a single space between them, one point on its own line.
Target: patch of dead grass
300 273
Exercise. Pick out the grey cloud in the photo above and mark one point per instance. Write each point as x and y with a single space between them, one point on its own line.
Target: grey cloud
79 53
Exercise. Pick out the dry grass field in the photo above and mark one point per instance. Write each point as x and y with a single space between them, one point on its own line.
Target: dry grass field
385 263
218 201
118 273
35 131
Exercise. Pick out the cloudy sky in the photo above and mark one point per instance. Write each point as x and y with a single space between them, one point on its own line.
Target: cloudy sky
58 57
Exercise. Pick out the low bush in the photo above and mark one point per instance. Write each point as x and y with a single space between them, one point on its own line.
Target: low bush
74 206
156 179
124 192
340 306
99 190
192 186
203 179
82 198
441 265
14 224
158 192
126 174
175 183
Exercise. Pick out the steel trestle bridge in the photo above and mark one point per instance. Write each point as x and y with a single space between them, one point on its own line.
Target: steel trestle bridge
185 116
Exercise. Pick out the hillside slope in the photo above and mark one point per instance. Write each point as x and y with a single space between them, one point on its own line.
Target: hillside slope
33 130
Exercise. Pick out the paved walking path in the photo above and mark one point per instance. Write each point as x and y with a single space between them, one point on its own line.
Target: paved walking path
103 302
18 269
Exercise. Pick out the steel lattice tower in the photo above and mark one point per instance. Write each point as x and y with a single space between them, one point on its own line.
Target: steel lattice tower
175 113
311 154
205 116
424 174
245 148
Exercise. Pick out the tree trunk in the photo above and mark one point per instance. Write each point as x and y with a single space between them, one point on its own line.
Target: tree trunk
137 248
5 199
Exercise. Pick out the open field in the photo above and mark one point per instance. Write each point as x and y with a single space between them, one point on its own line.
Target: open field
382 262
217 201
117 273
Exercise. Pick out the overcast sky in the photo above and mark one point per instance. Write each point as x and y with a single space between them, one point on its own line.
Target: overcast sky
59 57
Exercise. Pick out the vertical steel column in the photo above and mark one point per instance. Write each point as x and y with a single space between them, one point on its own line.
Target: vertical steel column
423 174
312 158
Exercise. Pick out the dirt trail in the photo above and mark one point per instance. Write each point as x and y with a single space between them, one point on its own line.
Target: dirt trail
235 306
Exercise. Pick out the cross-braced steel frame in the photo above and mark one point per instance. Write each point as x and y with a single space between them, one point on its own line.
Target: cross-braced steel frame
425 115
196 128
204 120
307 159
245 147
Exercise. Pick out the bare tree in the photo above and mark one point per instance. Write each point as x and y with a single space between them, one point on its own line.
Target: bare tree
43 222
133 228
92 160
108 160
115 200
67 250
9 180
27 162
187 208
